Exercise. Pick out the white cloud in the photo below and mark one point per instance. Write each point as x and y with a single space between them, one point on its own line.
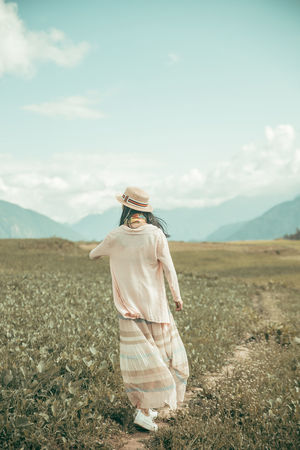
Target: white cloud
270 168
70 185
70 108
282 136
21 49
173 58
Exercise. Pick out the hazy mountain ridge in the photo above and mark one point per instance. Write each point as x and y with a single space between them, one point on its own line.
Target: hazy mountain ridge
222 233
18 222
187 224
279 220
240 218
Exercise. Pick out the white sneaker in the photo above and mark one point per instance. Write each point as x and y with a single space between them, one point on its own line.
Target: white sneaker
145 421
152 413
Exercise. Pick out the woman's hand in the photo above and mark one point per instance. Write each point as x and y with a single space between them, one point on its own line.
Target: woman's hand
132 315
179 304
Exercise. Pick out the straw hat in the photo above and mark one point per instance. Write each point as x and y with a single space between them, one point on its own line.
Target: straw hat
135 198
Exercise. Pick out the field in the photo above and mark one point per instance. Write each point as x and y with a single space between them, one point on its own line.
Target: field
61 385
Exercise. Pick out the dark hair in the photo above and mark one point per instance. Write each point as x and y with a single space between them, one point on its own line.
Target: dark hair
150 218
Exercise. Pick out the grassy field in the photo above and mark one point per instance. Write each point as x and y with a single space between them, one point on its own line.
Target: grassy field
61 385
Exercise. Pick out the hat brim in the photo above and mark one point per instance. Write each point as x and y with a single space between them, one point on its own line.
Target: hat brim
120 199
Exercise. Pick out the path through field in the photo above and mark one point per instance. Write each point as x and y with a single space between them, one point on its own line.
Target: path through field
264 302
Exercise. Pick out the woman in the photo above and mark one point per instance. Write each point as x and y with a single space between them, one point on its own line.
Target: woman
153 359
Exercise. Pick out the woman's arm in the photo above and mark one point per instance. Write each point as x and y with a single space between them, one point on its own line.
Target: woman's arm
163 255
102 249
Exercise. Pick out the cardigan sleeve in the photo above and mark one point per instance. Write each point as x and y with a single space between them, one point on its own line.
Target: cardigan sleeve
102 249
164 256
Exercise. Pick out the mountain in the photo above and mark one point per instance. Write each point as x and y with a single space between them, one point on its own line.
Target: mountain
222 233
279 220
96 226
185 224
18 222
241 218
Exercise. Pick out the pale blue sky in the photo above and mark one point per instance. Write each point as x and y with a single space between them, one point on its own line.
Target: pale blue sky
185 84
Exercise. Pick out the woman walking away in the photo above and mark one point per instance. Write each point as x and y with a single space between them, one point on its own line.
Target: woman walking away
153 360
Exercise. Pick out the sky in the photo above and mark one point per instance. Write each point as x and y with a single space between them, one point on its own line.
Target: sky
193 101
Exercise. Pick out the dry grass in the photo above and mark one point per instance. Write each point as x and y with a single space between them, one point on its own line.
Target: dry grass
60 378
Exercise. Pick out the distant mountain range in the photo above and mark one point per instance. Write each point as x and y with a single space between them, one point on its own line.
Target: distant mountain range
241 218
281 219
18 222
191 224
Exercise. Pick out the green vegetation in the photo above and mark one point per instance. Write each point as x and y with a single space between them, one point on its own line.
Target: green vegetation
61 385
256 408
295 236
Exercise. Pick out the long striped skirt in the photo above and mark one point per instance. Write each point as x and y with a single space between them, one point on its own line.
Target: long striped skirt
153 362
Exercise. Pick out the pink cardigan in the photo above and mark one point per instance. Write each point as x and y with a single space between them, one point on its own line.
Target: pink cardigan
138 258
